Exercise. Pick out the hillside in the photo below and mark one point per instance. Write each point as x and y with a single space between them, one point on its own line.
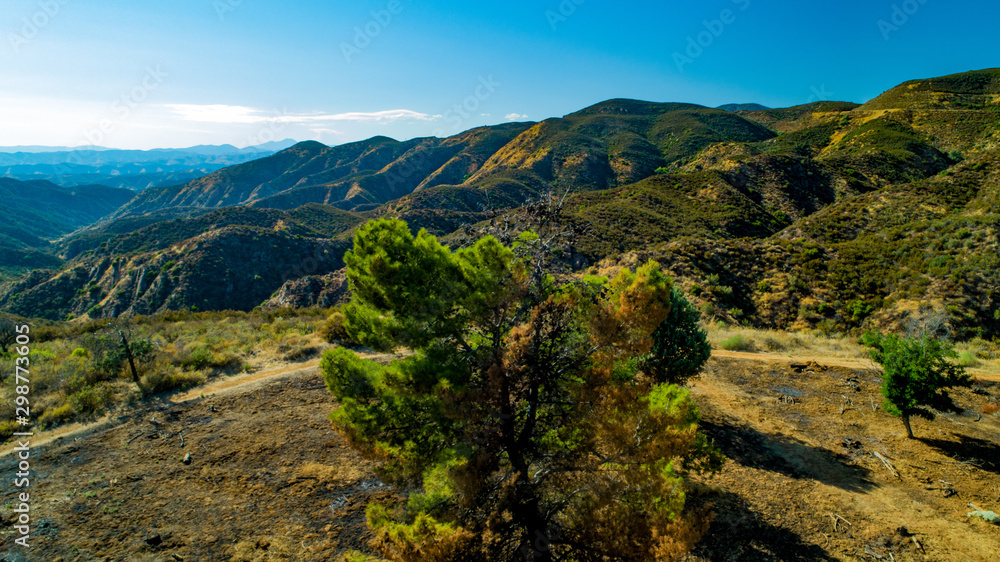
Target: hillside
799 445
828 216
228 259
36 212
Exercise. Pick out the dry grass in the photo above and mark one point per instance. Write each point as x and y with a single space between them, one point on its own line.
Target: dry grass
791 344
980 357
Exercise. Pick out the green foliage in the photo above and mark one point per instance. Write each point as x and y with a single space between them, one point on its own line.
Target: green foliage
680 347
917 372
334 330
736 343
517 387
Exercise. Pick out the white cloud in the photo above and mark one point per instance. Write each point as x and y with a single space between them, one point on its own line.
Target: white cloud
515 117
218 113
238 114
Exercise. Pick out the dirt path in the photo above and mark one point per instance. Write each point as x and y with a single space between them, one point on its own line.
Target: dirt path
858 364
244 382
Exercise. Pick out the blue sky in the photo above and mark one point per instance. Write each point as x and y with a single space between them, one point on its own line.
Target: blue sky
185 72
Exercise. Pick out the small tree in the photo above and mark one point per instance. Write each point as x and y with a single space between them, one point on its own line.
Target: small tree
916 375
118 350
523 425
680 347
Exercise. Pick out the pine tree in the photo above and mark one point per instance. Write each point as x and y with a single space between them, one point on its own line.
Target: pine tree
522 424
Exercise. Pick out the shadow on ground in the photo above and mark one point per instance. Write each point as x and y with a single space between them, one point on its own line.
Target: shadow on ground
740 534
979 452
783 454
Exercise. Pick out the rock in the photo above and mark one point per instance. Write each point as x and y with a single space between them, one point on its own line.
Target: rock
988 516
187 459
155 540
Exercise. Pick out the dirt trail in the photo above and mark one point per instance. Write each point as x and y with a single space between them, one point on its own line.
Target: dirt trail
244 382
829 361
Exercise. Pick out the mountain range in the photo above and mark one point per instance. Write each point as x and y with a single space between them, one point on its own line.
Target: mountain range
828 216
130 169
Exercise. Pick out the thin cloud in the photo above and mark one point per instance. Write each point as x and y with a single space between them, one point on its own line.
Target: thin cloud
515 117
238 114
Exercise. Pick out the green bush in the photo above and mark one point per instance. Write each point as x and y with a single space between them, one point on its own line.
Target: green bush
164 380
92 399
966 359
199 358
736 343
333 329
57 415
680 348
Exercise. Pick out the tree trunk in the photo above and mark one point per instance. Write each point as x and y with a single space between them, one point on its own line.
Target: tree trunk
131 359
906 424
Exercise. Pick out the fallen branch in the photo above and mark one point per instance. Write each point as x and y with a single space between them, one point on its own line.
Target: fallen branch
953 421
836 517
182 438
137 435
916 542
887 464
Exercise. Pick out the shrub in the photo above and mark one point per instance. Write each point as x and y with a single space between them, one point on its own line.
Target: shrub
707 310
92 399
165 380
7 429
966 359
736 343
333 329
771 343
680 348
57 415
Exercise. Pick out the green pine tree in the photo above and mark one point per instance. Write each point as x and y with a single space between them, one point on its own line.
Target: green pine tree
522 424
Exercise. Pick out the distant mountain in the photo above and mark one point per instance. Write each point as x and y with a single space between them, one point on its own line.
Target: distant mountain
35 212
743 107
131 169
40 149
609 144
39 210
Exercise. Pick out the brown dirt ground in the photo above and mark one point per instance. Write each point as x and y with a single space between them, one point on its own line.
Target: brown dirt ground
271 480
